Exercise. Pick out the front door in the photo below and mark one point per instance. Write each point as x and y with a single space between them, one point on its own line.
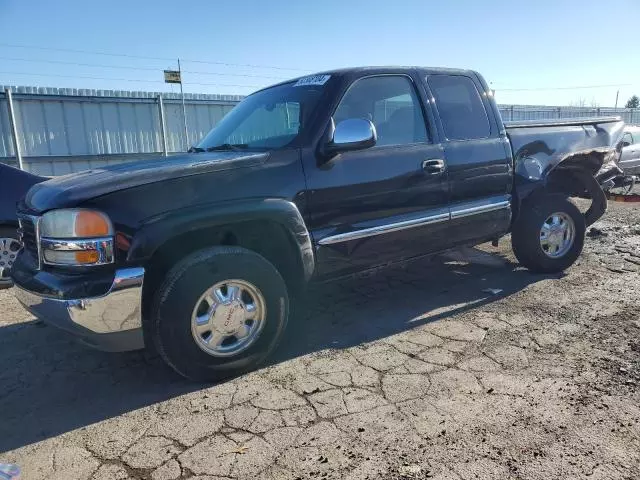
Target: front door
385 203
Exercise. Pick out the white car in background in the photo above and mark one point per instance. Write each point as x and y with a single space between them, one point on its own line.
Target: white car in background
630 157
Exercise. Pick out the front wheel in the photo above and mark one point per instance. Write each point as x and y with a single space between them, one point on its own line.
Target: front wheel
219 312
548 236
9 246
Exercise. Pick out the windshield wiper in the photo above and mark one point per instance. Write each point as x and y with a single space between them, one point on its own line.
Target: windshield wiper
228 146
195 150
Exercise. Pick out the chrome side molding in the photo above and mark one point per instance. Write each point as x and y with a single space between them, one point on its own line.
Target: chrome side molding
461 210
388 228
482 206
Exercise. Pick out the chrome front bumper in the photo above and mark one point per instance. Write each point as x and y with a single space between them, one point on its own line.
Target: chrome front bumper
110 322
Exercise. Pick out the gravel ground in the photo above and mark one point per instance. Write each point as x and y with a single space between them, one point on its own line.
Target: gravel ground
418 372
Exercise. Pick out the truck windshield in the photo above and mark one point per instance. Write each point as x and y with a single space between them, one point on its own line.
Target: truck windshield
269 119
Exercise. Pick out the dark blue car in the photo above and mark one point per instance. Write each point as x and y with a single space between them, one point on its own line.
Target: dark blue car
14 184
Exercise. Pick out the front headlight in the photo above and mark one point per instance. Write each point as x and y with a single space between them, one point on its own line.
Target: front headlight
75 223
76 237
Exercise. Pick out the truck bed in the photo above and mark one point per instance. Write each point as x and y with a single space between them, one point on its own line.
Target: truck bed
543 144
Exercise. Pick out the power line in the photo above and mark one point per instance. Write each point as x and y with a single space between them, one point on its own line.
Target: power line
244 75
127 79
127 67
70 50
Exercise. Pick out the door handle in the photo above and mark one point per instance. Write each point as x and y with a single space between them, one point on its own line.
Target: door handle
433 166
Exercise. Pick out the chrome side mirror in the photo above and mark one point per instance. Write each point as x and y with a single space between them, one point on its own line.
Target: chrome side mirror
352 134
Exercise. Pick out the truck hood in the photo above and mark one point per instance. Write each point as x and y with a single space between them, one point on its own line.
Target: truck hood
70 190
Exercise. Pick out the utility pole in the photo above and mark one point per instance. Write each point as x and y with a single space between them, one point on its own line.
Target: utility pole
163 126
184 111
617 93
14 128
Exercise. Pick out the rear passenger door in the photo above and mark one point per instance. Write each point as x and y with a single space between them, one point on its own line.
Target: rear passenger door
477 155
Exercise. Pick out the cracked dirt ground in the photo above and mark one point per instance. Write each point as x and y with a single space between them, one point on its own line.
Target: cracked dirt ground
417 372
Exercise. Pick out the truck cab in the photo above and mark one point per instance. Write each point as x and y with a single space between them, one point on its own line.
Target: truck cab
440 172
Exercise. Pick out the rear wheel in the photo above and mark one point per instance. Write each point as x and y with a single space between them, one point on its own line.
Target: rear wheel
9 246
548 236
219 312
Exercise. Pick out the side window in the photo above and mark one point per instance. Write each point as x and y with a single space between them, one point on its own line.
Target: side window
460 107
391 104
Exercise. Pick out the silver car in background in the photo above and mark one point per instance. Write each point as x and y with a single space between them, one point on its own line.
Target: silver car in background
630 157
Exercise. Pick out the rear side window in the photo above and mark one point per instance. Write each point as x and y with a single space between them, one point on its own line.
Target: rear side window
460 107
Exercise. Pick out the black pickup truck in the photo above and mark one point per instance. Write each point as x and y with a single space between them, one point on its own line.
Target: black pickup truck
199 255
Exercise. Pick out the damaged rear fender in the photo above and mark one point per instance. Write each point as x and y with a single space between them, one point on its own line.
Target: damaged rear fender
576 175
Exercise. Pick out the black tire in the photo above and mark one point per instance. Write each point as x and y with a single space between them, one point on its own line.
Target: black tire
177 296
525 237
7 232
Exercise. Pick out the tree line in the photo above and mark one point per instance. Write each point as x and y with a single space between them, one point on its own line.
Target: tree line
633 102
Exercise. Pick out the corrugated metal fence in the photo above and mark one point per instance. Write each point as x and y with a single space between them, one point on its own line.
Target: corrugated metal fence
535 112
66 130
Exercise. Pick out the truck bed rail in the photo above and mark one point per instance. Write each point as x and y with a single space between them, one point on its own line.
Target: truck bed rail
560 122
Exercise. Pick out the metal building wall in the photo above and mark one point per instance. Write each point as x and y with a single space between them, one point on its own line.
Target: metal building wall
67 130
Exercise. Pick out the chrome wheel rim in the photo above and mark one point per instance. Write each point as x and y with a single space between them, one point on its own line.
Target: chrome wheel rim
228 318
557 235
8 252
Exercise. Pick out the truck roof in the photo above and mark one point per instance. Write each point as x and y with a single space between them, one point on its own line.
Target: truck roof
379 70
390 68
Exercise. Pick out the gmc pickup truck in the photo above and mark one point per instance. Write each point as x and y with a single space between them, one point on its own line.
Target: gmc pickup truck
198 255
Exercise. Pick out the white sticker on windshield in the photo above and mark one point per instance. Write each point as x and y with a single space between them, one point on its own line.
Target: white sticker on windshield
312 80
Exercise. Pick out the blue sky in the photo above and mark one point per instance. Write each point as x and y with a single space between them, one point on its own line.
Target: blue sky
520 47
